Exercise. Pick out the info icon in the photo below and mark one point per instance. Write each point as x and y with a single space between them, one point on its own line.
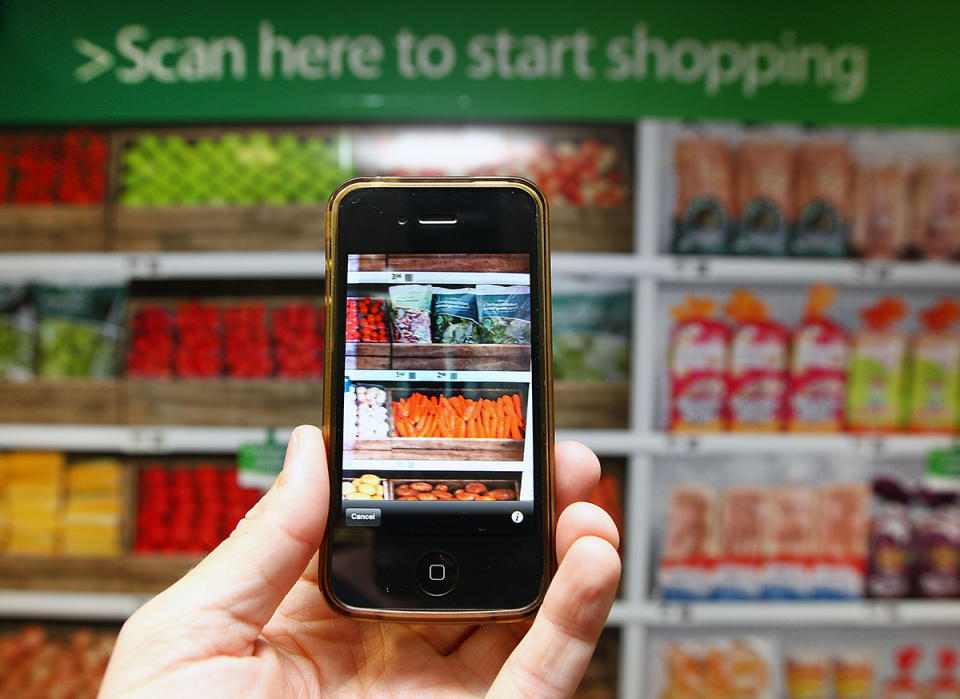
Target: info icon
517 516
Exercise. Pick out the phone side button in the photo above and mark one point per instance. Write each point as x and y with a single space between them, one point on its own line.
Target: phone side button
362 517
437 573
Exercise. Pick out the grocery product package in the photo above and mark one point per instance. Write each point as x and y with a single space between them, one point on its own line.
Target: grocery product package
17 333
764 197
933 403
504 313
455 318
791 542
890 566
78 330
824 199
697 367
703 213
842 530
591 329
410 315
744 518
935 198
757 374
736 666
806 675
875 384
689 550
818 367
937 545
881 214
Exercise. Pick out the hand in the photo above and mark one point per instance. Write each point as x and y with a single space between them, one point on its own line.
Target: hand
249 620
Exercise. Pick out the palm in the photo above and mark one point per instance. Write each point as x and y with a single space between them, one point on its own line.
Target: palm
250 620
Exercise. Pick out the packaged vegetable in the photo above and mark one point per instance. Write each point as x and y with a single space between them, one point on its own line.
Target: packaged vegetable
17 328
704 197
411 313
824 188
934 394
936 210
875 386
455 319
881 215
757 375
591 330
764 181
78 330
818 367
697 367
504 313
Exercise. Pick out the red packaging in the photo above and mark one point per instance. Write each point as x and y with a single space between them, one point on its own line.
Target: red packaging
818 368
757 374
690 544
697 361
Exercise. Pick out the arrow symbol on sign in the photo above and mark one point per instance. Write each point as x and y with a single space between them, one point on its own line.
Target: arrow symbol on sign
100 61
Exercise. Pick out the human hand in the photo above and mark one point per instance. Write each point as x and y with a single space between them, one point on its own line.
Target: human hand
250 620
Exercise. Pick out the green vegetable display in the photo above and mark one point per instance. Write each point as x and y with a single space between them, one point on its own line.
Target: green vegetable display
455 318
504 313
16 334
591 331
78 331
235 168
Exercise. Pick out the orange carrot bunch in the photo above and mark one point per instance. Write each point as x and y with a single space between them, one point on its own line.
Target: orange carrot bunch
458 417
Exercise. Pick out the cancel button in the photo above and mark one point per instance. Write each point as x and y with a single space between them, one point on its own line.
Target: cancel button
363 517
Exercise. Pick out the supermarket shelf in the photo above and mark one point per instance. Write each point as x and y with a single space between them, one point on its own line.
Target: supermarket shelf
780 614
86 606
160 439
804 271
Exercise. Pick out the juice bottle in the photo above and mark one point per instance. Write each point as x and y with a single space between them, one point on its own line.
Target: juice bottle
875 390
934 395
818 367
757 373
697 362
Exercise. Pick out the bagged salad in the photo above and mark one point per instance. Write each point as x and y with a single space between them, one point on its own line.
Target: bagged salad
504 313
16 334
410 314
591 330
78 330
455 319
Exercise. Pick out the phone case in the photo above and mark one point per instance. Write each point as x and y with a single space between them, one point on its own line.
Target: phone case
332 344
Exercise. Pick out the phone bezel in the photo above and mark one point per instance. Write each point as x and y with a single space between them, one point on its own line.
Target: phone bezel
333 343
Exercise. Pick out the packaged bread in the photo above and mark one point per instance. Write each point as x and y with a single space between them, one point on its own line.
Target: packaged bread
935 198
704 195
881 213
764 197
824 199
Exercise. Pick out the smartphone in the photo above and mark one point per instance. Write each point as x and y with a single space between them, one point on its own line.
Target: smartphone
438 400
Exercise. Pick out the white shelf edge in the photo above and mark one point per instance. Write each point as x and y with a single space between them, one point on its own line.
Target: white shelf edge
86 606
804 613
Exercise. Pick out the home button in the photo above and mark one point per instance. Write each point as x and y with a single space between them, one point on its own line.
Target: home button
437 573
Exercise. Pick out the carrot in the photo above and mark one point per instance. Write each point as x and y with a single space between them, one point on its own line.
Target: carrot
515 428
444 403
444 430
516 404
470 410
508 407
401 426
459 428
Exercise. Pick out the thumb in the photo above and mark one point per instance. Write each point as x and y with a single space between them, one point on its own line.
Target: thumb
246 578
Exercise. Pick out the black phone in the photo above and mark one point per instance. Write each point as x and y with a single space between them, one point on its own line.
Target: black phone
438 400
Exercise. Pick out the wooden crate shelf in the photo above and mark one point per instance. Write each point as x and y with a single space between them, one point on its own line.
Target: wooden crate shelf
591 229
588 405
437 357
69 401
53 228
428 449
127 573
233 402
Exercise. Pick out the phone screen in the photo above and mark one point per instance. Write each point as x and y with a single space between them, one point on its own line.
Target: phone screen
437 458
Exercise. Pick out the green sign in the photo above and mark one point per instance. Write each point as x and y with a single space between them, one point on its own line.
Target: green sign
882 62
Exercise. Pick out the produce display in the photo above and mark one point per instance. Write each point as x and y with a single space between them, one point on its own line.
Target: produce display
571 171
372 487
188 509
233 167
410 313
591 330
200 339
49 507
37 664
78 329
746 667
753 374
366 320
779 192
55 167
780 542
365 412
458 417
17 333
